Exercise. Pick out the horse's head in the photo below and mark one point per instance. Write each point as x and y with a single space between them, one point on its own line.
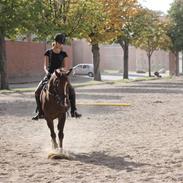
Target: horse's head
59 86
62 74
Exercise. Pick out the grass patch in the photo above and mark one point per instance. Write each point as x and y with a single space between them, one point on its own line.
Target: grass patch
89 83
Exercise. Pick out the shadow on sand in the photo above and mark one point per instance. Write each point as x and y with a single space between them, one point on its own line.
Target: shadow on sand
113 162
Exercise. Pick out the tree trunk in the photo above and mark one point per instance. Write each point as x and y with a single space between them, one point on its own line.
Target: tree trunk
125 47
177 63
3 63
149 64
182 60
96 62
125 58
173 63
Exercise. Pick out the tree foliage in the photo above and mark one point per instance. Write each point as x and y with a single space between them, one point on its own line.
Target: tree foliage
153 34
105 22
14 17
42 18
98 21
176 29
127 30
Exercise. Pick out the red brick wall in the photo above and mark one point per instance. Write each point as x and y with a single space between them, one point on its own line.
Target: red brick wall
111 57
25 60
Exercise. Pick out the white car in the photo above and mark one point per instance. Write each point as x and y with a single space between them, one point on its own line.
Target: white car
83 69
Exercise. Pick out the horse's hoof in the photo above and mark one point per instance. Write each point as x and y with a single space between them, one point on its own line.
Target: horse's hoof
54 155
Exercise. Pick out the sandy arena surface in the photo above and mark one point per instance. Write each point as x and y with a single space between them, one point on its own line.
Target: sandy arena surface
142 143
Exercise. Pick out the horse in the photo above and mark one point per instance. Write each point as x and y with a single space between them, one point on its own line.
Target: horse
55 104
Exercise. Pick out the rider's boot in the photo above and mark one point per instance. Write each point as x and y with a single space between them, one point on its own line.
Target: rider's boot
72 97
40 114
75 114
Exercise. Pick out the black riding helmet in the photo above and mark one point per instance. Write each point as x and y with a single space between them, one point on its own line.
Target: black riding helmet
60 38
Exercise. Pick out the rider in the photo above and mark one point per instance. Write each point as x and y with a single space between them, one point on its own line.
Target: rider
55 58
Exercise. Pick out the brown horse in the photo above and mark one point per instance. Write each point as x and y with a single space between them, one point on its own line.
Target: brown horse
55 103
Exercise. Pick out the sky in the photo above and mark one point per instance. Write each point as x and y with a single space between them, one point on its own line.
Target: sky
162 5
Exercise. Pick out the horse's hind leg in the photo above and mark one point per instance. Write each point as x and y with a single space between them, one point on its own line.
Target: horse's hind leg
53 135
61 123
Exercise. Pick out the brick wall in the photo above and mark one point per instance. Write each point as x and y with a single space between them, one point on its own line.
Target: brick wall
111 57
25 60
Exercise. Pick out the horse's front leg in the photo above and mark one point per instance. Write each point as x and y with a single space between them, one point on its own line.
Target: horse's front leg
52 133
61 123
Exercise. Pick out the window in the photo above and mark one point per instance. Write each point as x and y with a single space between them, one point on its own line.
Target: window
85 66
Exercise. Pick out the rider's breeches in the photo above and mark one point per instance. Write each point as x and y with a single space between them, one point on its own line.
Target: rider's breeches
40 86
38 92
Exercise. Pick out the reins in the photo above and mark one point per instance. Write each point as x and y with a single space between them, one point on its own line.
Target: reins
60 99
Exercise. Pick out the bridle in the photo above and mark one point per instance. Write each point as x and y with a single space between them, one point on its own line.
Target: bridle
61 100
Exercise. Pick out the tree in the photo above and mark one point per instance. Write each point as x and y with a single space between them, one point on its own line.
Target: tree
43 18
103 24
129 12
53 17
95 21
7 24
92 28
176 29
16 18
153 35
77 18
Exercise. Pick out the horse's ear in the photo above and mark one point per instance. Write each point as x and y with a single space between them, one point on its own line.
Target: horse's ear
69 71
57 73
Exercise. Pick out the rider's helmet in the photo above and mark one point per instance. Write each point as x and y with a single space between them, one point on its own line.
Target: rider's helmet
60 38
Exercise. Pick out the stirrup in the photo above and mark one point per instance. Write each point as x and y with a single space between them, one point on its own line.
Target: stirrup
75 114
